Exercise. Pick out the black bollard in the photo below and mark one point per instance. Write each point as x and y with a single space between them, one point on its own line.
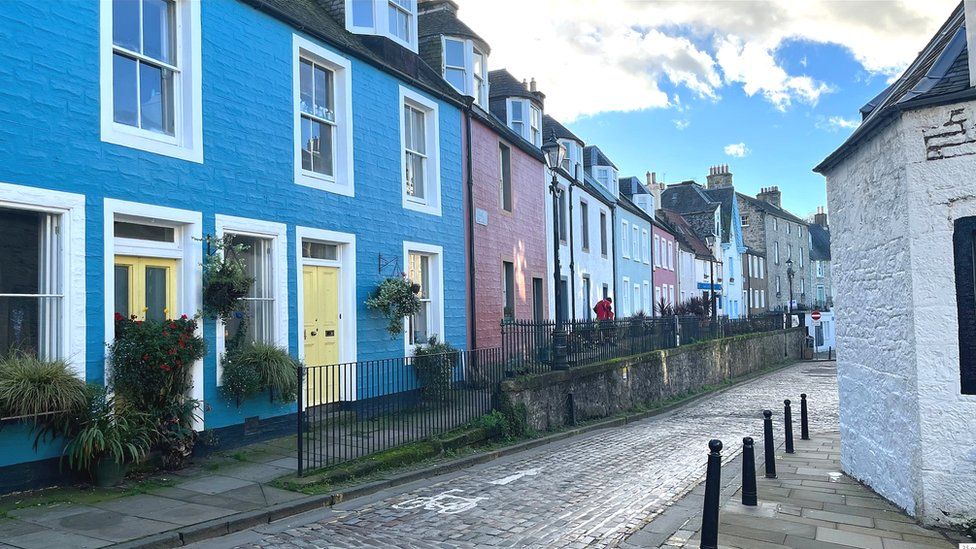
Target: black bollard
804 425
713 481
749 491
788 427
769 446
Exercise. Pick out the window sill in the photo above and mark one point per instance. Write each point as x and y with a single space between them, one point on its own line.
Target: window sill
306 179
135 138
421 207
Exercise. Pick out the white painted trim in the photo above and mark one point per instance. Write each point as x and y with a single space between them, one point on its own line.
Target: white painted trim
433 204
71 208
344 181
188 101
348 334
436 254
190 282
278 234
381 23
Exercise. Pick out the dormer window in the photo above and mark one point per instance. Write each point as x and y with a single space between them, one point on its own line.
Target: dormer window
398 24
605 176
574 157
526 119
465 69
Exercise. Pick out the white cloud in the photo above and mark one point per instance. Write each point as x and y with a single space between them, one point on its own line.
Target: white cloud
835 123
618 55
681 123
737 150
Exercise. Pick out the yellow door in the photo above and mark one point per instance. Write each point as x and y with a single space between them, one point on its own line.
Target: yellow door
145 287
321 333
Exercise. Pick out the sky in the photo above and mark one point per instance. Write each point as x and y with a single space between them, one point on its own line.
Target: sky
768 88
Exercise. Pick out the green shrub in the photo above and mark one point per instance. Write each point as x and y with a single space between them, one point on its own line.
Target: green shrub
253 368
225 279
151 369
435 364
507 424
109 428
44 392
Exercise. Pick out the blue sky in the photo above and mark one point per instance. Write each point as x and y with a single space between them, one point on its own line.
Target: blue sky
767 87
782 146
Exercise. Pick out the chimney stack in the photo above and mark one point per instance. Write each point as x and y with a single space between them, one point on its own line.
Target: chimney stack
820 218
654 187
970 7
771 195
532 85
719 177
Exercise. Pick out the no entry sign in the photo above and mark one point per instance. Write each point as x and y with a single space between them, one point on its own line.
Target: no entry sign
815 315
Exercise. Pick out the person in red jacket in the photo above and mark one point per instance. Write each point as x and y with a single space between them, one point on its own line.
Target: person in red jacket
604 309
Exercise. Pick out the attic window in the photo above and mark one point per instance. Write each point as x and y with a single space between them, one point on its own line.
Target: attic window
464 67
394 19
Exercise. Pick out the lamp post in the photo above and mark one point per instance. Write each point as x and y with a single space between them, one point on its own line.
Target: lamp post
555 152
790 273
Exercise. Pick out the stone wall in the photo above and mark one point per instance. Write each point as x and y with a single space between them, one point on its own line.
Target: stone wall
604 389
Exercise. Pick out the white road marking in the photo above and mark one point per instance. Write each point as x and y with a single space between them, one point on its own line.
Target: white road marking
512 478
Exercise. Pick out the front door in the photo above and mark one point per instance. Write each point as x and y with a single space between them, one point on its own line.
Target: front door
321 333
145 287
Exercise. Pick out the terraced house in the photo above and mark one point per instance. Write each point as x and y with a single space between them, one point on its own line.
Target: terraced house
504 180
312 131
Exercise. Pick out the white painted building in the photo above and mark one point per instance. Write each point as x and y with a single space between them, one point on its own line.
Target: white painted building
902 195
586 232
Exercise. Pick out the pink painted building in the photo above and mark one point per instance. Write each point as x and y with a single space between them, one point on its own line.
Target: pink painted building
509 235
665 254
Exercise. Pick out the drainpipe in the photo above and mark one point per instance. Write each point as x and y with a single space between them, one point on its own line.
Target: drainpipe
472 299
613 255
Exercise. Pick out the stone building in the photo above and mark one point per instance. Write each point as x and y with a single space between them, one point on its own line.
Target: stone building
819 271
780 236
903 224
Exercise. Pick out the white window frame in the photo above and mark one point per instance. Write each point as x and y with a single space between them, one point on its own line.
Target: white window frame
432 201
820 269
526 104
626 298
381 23
471 78
635 252
534 132
188 250
71 209
584 209
636 298
277 233
670 255
625 239
436 266
187 141
657 250
343 183
762 267
646 295
645 247
776 252
775 224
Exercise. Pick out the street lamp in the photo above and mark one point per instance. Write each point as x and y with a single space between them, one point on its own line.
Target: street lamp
790 273
555 152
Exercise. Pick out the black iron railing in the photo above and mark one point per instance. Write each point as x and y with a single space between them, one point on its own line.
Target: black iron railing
347 411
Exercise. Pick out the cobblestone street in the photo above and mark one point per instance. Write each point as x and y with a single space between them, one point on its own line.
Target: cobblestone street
592 490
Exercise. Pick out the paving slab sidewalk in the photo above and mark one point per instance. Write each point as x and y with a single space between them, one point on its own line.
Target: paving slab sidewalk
217 487
811 504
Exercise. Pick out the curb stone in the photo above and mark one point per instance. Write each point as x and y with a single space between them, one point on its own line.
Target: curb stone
242 521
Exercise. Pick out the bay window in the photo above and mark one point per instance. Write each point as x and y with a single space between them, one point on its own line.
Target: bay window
516 116
454 67
401 17
421 177
150 79
465 67
535 125
480 75
394 19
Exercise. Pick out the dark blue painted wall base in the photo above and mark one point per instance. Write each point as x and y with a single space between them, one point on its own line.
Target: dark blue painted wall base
34 475
252 431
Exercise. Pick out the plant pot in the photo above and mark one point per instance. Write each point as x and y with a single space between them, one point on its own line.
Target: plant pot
108 472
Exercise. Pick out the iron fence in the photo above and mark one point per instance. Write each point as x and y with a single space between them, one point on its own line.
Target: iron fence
347 411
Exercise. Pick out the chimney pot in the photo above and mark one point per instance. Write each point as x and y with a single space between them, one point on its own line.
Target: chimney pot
532 85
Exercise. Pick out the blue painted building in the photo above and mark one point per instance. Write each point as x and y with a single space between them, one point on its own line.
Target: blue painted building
132 128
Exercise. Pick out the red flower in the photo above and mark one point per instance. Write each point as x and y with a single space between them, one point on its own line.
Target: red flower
165 367
165 333
172 325
183 317
182 344
118 317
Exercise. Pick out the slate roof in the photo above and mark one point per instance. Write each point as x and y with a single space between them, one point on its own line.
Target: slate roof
686 198
550 125
724 196
444 21
819 243
685 235
314 19
630 186
937 76
593 187
627 204
504 84
769 208
593 156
